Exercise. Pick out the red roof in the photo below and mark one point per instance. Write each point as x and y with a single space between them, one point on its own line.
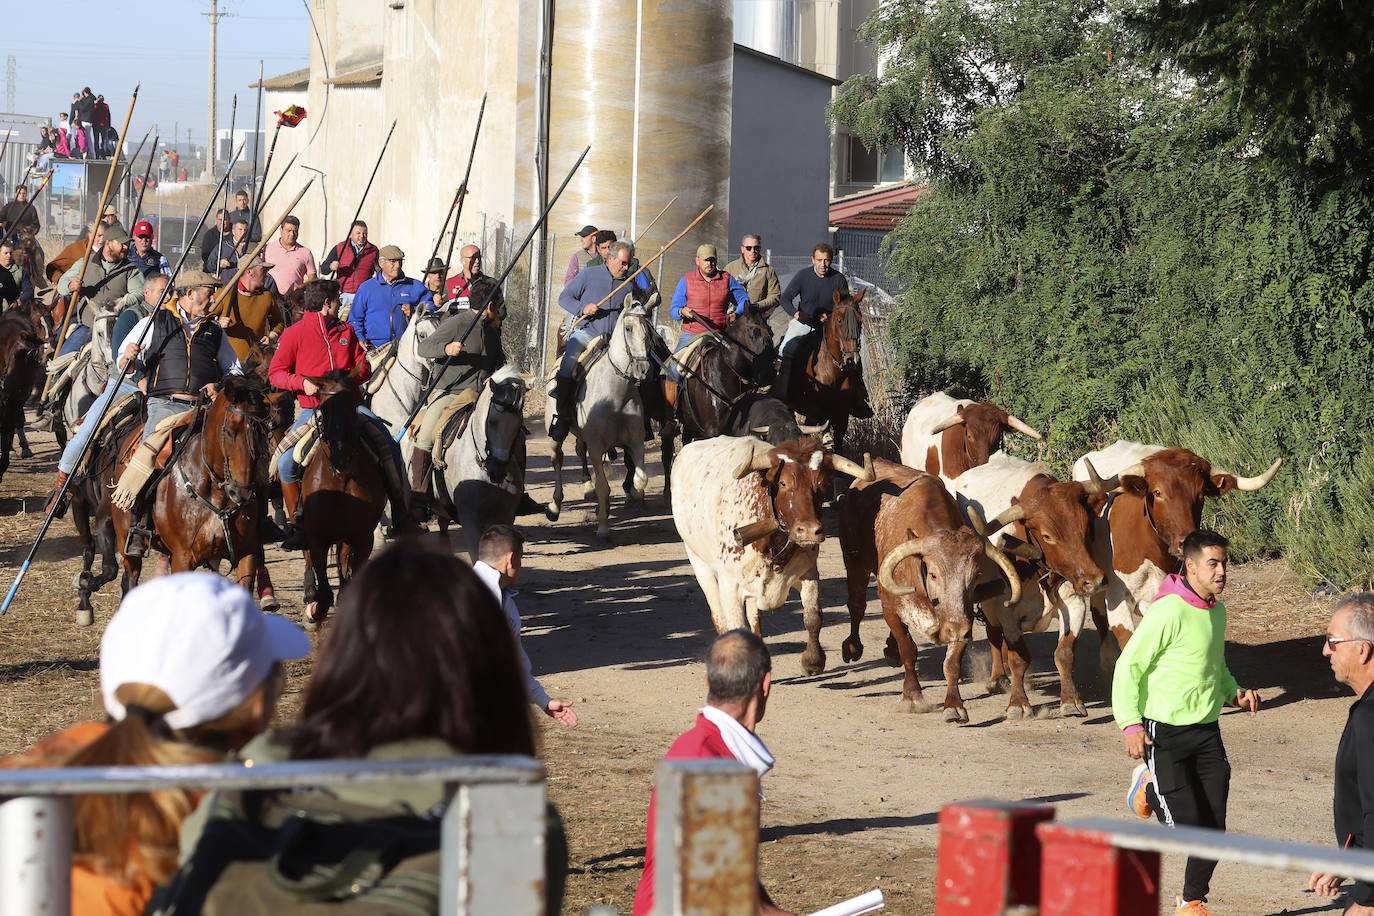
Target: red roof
881 208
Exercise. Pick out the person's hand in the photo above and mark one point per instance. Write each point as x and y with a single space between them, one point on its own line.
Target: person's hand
309 387
224 321
562 712
73 286
223 263
131 351
1248 699
267 339
1324 884
406 309
688 312
1135 744
143 385
453 348
210 390
589 310
1359 909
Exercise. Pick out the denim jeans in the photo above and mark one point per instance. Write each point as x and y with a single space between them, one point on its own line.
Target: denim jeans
577 343
160 409
77 444
290 472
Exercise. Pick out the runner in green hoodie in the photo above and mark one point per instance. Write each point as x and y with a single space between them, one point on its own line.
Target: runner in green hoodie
1167 693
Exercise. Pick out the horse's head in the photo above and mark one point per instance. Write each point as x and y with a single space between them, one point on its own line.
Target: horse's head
337 414
633 339
844 329
235 438
751 331
505 419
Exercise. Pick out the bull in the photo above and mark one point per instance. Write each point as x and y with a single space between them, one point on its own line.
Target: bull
946 437
755 532
906 528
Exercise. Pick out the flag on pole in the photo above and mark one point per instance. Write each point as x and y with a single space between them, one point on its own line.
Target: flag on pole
293 115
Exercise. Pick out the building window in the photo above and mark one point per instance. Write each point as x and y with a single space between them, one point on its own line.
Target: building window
892 165
863 163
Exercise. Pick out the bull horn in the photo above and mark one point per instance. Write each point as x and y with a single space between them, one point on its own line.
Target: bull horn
1255 483
1024 550
1096 484
975 520
1021 426
748 534
889 565
1004 563
1135 470
947 422
811 430
858 472
759 459
1013 514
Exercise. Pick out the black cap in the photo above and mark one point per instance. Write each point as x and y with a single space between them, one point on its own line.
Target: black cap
605 235
585 231
436 266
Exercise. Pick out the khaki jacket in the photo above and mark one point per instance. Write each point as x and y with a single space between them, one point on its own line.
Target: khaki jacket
765 292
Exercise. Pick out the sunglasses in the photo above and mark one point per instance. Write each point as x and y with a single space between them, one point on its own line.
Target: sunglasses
752 247
1334 641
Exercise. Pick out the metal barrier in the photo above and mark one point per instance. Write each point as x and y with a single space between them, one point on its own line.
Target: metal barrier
998 859
492 833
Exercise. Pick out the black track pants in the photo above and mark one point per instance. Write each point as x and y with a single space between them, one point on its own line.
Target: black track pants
1190 778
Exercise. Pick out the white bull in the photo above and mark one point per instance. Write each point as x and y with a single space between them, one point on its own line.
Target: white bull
945 436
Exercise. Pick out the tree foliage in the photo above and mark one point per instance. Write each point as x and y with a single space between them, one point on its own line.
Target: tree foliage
1106 248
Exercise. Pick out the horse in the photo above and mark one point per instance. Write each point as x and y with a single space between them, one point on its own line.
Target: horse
829 378
405 382
92 517
484 476
21 357
609 412
342 492
732 365
205 504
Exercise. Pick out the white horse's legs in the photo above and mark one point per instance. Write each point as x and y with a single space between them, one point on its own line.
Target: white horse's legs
555 506
603 493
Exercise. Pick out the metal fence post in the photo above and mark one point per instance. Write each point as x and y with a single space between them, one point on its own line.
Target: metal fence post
493 843
1085 874
989 859
706 839
35 855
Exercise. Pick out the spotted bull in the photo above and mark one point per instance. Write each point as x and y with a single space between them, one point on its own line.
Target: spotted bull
754 532
906 528
946 437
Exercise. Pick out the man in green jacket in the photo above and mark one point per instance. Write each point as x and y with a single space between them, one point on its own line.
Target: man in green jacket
1167 693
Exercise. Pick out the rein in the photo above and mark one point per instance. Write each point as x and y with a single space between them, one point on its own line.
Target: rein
225 514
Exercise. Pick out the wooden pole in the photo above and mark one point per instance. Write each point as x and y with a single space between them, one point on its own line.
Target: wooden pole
90 239
645 231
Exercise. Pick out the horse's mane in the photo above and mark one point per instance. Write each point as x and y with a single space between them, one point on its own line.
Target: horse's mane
505 375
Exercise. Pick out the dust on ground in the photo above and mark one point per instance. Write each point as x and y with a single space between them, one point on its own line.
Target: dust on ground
854 799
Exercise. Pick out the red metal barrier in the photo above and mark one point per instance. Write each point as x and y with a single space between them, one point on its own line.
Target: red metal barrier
1084 874
989 858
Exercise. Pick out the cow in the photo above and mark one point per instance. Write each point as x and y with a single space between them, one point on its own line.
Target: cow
906 528
754 531
1140 531
764 417
946 437
1048 525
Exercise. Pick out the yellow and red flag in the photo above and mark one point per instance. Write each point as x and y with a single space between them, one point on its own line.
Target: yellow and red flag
293 115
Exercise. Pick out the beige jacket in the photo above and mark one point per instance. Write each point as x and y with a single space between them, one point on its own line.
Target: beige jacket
764 290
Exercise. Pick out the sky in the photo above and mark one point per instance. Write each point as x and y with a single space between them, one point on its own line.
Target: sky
165 45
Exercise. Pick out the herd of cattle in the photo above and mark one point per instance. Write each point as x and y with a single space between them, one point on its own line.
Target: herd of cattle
1050 552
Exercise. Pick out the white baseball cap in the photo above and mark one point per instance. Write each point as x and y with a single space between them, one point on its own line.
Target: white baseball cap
200 639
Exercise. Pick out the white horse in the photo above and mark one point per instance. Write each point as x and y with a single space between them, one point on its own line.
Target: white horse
485 466
405 382
609 413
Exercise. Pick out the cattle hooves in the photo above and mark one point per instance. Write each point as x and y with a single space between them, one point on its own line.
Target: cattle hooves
1018 712
813 665
85 618
851 650
953 714
1074 710
892 656
907 706
998 685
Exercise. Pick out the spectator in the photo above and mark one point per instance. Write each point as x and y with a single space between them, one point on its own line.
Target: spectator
435 676
15 284
587 237
385 303
19 211
84 118
242 211
353 262
144 256
104 133
293 264
211 236
170 699
223 259
47 146
163 166
62 145
174 163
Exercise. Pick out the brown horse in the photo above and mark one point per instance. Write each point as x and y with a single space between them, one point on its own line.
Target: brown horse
205 505
21 363
828 380
342 492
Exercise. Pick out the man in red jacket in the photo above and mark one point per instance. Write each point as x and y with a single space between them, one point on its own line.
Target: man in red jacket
353 262
738 678
313 346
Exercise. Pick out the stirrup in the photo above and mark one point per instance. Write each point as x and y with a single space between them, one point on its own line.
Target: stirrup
136 542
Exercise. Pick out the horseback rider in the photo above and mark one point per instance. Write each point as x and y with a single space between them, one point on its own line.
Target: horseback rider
110 284
465 368
313 346
384 304
809 299
183 354
461 287
583 297
251 313
705 301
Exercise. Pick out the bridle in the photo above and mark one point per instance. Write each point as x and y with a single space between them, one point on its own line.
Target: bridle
225 482
495 468
626 373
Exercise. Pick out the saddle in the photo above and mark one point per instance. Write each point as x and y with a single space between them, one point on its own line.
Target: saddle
690 356
125 407
152 456
451 426
585 360
381 360
301 442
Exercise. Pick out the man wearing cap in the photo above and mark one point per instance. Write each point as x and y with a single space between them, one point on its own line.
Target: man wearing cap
19 211
353 262
384 304
250 219
587 237
461 287
705 301
223 259
434 281
144 256
15 285
109 216
250 313
110 284
292 265
182 353
759 279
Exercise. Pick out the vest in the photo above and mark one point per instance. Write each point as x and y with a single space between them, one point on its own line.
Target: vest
176 365
707 298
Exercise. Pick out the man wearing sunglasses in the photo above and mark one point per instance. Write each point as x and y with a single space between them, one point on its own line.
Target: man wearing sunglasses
1167 693
1350 646
759 280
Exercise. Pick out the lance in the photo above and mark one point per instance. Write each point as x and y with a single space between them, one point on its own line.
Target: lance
62 491
33 199
285 172
443 230
644 265
477 315
385 143
138 207
463 188
252 213
90 239
645 231
292 115
257 136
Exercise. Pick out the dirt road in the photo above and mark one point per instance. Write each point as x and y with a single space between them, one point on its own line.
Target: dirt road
853 801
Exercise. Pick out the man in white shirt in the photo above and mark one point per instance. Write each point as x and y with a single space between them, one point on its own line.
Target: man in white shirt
500 554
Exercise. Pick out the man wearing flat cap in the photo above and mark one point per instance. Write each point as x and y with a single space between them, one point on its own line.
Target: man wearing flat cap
383 306
250 313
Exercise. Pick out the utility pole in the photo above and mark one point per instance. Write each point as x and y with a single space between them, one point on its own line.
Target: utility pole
214 16
11 78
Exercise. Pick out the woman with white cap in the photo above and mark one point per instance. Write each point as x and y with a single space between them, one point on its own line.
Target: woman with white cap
189 672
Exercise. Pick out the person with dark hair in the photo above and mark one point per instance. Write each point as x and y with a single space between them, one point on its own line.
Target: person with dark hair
1349 644
808 298
1167 693
434 676
209 239
586 238
15 284
223 259
353 261
251 313
242 211
738 680
190 670
500 556
18 212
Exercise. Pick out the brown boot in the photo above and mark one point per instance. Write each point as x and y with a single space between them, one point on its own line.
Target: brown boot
61 507
420 461
291 500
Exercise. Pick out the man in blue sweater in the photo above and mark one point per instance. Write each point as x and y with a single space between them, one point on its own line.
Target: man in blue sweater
582 298
809 298
384 304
